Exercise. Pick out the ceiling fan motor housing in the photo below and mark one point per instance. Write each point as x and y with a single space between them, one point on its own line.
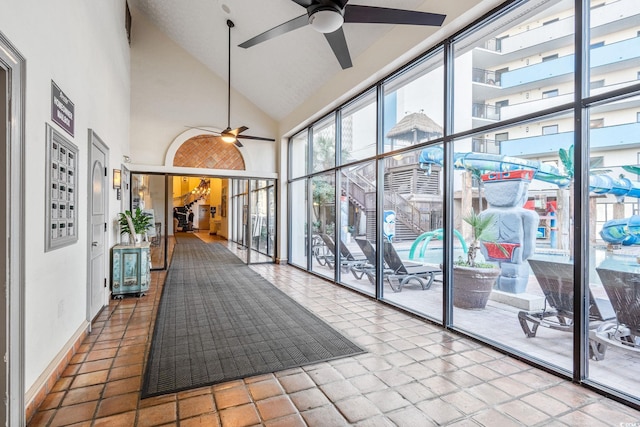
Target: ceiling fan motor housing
325 18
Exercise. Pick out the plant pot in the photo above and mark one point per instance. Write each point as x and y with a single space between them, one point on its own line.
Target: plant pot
472 286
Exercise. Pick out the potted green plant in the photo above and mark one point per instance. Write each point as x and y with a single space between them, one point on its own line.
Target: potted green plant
134 224
473 280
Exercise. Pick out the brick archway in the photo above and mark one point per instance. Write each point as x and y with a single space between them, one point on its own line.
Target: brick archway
208 152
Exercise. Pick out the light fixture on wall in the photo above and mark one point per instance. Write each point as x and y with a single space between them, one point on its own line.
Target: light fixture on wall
117 181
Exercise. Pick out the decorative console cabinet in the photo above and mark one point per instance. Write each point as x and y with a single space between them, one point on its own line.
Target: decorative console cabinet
130 269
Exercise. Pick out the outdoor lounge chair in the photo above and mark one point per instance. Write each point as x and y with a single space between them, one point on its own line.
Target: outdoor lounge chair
321 253
623 289
347 260
556 281
403 273
368 268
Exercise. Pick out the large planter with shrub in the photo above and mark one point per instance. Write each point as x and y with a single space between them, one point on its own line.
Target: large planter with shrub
473 280
472 286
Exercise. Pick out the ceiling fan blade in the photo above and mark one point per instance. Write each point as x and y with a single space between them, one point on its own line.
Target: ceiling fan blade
281 29
259 138
383 15
339 46
238 143
303 3
237 131
204 129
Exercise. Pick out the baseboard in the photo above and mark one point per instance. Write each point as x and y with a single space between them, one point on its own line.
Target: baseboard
45 382
282 261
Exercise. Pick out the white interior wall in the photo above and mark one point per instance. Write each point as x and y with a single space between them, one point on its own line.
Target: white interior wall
85 52
172 90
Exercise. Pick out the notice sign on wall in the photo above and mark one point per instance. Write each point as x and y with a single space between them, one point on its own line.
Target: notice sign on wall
62 109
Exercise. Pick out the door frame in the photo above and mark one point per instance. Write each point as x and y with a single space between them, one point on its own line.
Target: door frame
15 66
95 141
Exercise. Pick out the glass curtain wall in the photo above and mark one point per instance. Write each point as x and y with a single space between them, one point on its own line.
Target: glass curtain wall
542 187
298 223
412 227
519 219
358 196
614 258
323 223
358 226
323 197
298 196
612 145
502 200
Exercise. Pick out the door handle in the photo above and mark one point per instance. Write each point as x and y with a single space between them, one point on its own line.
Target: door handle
94 243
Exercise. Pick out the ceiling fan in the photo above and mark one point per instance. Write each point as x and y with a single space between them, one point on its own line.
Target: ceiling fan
327 17
231 135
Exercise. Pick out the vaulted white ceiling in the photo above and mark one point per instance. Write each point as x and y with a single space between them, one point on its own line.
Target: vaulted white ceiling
281 74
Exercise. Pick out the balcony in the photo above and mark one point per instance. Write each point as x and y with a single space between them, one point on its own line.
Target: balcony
559 33
606 138
482 145
488 77
607 58
485 111
517 110
606 19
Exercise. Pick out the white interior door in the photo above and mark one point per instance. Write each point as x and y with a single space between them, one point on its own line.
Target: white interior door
12 160
98 260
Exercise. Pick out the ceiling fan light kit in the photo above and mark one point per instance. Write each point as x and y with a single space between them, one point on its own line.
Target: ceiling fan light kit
228 137
327 17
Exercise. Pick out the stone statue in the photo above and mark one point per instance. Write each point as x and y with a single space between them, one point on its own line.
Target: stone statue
514 227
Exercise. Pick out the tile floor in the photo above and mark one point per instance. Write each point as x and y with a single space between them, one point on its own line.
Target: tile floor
414 374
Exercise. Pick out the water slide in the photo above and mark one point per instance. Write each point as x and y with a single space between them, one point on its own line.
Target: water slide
625 231
423 240
619 231
485 162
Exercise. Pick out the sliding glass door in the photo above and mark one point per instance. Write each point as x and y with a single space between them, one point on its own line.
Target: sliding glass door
252 217
262 223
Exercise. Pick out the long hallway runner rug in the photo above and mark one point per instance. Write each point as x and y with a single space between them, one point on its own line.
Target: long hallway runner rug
219 320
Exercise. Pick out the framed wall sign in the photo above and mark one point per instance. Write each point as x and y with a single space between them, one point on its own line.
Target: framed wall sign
61 197
62 109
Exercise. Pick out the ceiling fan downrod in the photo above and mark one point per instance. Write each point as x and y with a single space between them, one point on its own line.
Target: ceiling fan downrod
226 135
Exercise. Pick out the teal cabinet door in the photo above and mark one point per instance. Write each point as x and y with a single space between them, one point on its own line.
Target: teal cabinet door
130 269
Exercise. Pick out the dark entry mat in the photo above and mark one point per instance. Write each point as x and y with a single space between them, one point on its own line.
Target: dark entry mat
218 320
